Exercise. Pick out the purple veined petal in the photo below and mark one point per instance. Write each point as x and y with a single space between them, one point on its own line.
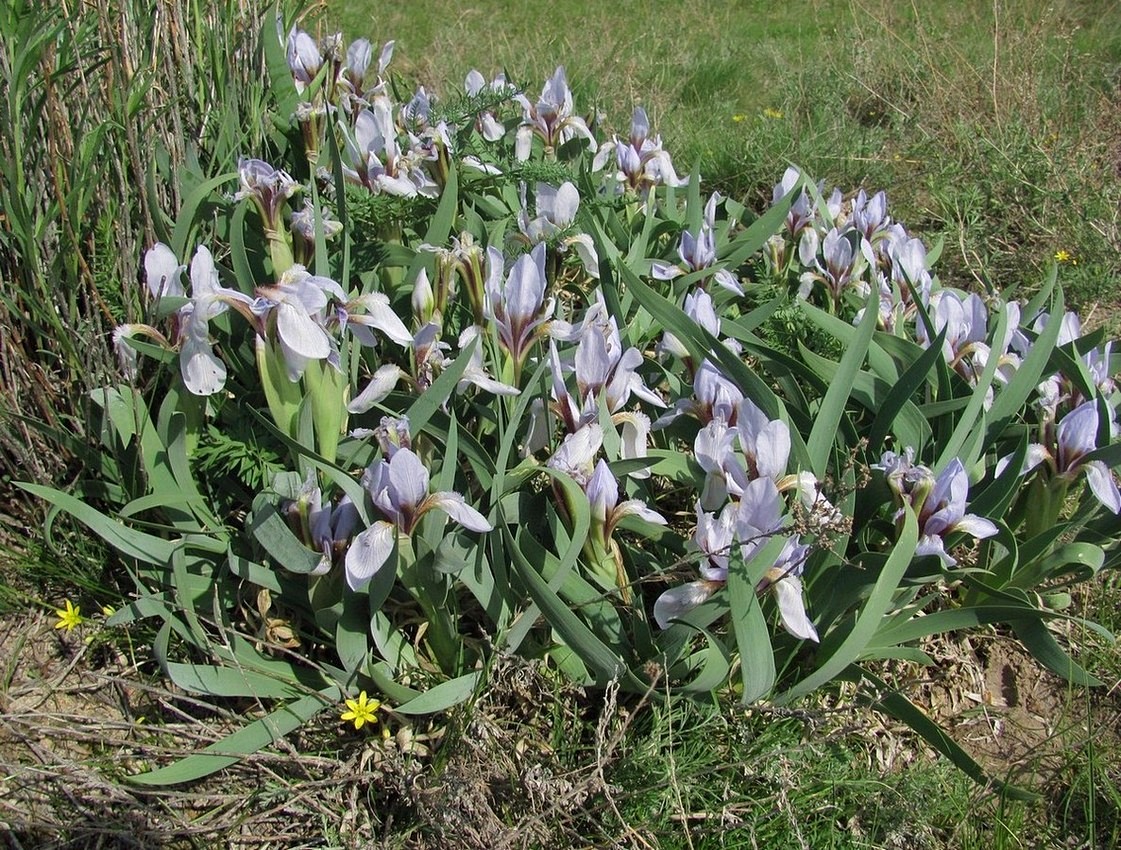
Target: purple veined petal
760 509
368 553
628 160
325 561
931 544
728 281
162 272
772 449
586 251
304 58
699 308
602 491
638 508
367 133
203 372
321 287
358 56
593 366
400 187
494 289
383 382
714 491
679 601
1077 434
545 201
750 422
688 249
525 288
713 444
634 437
301 333
807 248
603 155
566 202
492 132
950 489
792 609
662 271
455 507
576 126
577 451
474 83
671 346
408 480
710 209
640 126
523 142
1103 486
385 56
319 519
381 316
943 520
344 520
660 168
475 376
975 525
715 534
977 317
204 276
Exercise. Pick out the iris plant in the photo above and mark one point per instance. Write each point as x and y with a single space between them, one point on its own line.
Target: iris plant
398 490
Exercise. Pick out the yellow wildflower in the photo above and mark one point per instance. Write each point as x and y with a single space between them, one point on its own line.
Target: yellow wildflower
69 617
739 118
1065 256
361 711
771 112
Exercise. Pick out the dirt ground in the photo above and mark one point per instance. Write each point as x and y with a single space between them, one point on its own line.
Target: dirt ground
78 716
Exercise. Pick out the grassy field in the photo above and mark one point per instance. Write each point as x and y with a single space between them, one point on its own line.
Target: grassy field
994 125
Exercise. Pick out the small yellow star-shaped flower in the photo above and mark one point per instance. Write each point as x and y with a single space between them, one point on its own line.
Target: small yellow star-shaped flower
361 711
1064 256
69 617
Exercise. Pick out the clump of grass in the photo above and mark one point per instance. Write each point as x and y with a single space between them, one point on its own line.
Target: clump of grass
111 111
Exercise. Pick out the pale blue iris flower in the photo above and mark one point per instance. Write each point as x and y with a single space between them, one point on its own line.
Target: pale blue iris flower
1074 438
551 119
939 500
517 303
697 252
398 489
751 523
640 160
296 306
203 371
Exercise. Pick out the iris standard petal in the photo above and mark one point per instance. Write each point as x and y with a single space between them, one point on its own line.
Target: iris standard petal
162 271
977 526
203 372
408 480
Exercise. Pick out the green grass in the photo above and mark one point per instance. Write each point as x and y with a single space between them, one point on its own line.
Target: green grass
993 126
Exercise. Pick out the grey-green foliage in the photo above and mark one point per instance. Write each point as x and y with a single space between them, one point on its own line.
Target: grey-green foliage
871 474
